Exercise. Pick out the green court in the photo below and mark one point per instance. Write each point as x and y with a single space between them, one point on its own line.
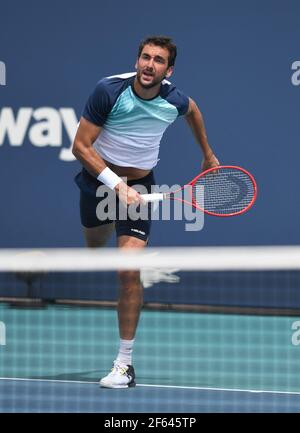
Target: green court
174 351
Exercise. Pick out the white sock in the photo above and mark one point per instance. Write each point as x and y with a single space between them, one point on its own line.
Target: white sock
125 352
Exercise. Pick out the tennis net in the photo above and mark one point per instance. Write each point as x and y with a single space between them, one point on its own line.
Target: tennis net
214 318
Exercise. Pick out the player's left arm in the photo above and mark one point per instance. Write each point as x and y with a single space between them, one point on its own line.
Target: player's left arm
195 120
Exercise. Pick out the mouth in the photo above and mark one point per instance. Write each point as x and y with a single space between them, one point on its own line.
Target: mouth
147 75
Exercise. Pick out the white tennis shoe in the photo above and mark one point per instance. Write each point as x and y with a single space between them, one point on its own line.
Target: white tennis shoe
121 376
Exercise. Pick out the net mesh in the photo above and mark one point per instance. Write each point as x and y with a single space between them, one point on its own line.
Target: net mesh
226 191
219 330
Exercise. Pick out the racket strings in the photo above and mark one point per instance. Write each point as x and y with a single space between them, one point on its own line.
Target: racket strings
224 191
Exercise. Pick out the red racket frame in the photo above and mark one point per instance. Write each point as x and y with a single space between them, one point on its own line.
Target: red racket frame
204 173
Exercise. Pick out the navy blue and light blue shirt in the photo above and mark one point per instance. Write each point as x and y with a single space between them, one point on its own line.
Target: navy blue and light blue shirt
132 127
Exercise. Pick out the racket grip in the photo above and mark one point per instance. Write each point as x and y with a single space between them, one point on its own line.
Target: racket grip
153 197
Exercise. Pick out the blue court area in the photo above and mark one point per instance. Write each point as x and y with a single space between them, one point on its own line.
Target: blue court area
51 360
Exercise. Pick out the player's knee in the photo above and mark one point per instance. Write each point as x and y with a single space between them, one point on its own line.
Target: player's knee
130 280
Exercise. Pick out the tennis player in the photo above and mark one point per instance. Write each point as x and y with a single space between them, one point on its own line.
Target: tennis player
118 137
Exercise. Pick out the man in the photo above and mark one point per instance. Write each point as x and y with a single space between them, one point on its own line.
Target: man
118 136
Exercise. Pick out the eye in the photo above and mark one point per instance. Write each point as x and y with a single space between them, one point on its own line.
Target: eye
160 60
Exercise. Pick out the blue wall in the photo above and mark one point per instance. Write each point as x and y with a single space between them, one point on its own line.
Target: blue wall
235 59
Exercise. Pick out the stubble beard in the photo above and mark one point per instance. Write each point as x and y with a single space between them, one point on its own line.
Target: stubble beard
154 83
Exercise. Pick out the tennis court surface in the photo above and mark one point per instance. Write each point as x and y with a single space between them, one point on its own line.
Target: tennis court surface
208 339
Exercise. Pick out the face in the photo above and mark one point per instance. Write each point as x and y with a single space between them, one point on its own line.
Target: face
152 66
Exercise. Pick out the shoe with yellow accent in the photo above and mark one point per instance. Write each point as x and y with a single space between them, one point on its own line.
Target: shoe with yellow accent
121 376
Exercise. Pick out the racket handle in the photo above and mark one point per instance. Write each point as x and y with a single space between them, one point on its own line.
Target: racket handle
153 197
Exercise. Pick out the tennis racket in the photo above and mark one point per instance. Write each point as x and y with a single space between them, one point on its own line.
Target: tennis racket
221 191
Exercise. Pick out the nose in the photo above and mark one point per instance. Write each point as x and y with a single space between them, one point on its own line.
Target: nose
150 63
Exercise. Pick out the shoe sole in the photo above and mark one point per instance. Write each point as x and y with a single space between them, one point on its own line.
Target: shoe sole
111 386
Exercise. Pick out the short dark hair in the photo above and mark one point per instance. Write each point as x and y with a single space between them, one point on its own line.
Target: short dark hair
161 41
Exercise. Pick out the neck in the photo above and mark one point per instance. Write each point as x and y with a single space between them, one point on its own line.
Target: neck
145 93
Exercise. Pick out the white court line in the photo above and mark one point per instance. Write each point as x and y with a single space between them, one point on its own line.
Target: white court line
24 379
223 389
158 386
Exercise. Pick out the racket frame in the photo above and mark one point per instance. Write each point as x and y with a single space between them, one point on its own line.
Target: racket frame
209 170
163 196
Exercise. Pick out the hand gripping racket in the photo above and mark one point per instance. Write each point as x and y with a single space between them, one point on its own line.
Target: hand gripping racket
220 191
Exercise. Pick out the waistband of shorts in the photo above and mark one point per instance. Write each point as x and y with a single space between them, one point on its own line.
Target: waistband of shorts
89 184
149 178
145 179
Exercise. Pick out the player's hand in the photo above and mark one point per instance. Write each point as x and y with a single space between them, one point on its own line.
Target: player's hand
128 195
209 162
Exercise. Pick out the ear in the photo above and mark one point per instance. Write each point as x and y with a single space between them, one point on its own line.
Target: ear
169 71
136 64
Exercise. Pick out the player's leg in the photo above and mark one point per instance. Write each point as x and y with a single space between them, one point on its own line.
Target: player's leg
131 234
131 292
129 307
97 237
96 232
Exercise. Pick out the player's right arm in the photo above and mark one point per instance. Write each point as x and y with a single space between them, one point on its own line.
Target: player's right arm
84 151
83 148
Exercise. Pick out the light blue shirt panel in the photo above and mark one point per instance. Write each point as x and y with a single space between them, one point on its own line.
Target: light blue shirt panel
137 117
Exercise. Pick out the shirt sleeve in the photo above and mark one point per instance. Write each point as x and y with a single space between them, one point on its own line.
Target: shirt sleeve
181 101
175 97
98 105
